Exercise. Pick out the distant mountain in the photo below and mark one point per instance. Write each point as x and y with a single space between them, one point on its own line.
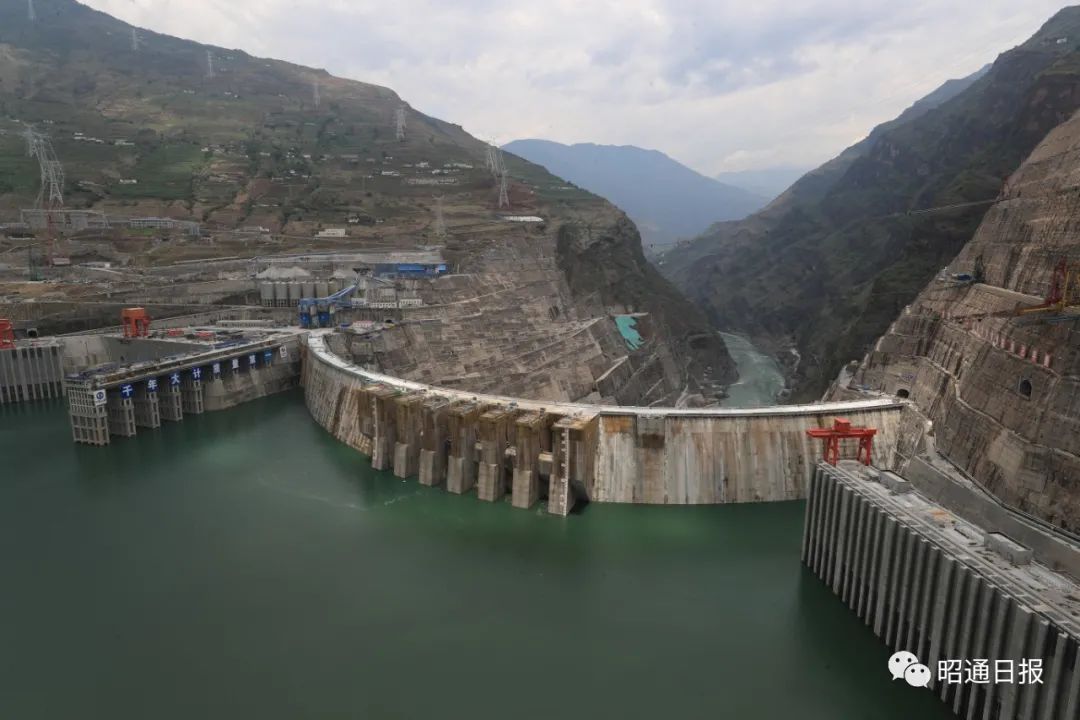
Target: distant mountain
767 182
666 199
828 265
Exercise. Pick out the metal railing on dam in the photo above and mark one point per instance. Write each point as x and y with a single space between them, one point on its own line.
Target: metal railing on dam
603 453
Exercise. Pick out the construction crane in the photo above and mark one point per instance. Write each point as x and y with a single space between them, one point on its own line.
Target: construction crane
136 322
842 429
1064 287
1063 296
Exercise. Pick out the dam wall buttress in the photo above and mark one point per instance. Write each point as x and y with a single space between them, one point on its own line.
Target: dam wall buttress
601 453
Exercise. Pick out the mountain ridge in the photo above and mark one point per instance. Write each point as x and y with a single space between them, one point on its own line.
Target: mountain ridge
666 199
768 182
179 129
829 264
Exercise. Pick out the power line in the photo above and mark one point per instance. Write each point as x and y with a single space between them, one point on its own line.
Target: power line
951 207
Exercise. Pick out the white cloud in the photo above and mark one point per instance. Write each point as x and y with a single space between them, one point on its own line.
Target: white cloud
720 85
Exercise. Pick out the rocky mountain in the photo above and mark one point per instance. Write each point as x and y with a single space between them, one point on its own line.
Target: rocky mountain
998 392
151 125
826 266
766 182
666 199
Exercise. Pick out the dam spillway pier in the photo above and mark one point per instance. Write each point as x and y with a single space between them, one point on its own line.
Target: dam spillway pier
145 381
930 583
566 452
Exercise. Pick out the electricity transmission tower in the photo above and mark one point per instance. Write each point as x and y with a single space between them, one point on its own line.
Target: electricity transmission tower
440 221
30 14
504 196
315 92
52 172
490 161
51 193
134 40
499 170
399 121
209 65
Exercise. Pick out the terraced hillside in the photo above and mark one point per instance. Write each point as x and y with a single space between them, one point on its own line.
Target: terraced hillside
160 126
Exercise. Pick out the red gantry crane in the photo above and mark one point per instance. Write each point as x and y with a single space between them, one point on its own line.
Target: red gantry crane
136 322
843 430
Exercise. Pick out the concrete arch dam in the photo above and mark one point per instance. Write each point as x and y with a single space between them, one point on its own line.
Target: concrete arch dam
571 451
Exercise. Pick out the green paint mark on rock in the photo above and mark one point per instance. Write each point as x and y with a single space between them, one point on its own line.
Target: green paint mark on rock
627 325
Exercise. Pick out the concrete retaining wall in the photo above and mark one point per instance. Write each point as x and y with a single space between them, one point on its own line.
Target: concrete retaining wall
975 506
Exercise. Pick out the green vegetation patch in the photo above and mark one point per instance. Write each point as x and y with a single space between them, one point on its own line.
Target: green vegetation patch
164 173
18 173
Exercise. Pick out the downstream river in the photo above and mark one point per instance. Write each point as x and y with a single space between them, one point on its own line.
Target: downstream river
243 564
760 378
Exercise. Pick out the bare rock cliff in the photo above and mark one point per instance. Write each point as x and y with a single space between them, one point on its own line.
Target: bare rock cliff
1001 390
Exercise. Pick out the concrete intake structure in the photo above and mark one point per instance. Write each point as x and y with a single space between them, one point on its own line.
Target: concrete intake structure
932 584
117 399
32 370
570 451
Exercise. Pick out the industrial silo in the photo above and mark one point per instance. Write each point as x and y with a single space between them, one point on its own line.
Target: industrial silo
308 289
294 292
266 294
322 289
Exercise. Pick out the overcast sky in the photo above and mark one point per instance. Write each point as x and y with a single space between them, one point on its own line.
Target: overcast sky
717 84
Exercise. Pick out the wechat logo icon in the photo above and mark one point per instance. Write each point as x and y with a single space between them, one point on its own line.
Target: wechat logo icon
904 665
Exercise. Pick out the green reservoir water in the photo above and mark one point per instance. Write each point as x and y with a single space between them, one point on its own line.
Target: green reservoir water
243 564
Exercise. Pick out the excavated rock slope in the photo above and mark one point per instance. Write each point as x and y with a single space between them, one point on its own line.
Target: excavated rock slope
151 131
827 266
1003 393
